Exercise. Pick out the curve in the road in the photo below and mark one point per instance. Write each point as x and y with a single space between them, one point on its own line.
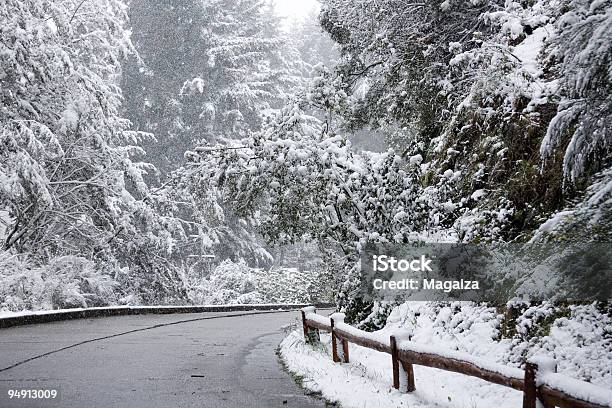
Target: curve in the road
133 331
217 360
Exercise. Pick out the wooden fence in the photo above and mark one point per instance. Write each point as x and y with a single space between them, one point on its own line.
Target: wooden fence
539 380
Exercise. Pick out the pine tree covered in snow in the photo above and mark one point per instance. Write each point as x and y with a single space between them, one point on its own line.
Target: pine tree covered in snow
207 70
74 186
71 183
313 44
214 73
582 49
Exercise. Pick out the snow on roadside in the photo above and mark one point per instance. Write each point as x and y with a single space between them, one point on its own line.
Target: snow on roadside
577 337
7 313
367 380
4 314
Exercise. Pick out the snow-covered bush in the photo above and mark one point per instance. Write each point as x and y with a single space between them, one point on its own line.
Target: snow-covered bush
236 283
291 285
228 283
578 337
66 282
377 319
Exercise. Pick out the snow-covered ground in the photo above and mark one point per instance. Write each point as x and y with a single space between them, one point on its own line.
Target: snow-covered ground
8 314
4 314
577 338
366 382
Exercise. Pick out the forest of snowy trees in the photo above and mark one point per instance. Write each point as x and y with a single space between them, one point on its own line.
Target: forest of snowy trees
100 102
154 152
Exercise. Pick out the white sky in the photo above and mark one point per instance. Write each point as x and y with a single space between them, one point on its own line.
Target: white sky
295 8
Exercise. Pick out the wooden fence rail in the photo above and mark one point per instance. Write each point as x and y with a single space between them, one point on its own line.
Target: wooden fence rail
538 382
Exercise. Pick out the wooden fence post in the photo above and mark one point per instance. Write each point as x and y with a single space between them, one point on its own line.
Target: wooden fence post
394 363
334 343
304 326
340 352
345 350
540 365
311 335
407 372
530 390
410 387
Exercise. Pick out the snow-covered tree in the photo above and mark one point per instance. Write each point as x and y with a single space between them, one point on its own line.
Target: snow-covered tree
215 72
581 54
466 92
506 103
304 180
313 45
70 179
207 70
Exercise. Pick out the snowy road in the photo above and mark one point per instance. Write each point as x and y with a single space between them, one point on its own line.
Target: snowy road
220 360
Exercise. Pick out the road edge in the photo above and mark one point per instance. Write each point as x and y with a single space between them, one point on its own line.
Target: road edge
72 314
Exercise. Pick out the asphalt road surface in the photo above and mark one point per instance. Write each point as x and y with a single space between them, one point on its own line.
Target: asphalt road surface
225 359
